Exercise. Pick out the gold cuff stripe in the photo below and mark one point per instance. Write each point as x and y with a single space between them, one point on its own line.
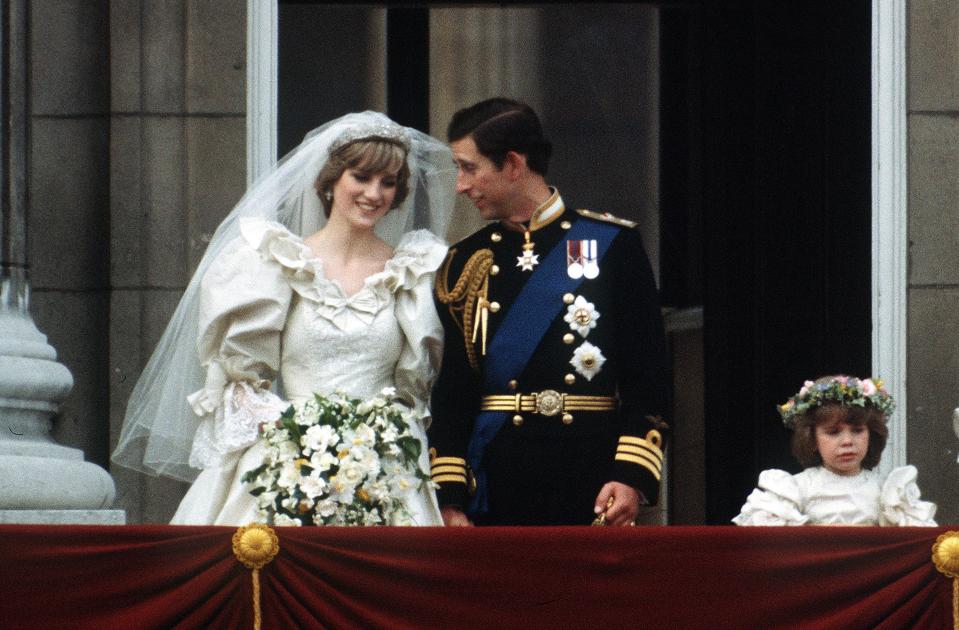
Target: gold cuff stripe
450 478
642 462
456 461
638 450
453 470
658 465
628 439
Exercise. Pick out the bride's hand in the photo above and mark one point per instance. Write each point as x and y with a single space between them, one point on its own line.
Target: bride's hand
454 517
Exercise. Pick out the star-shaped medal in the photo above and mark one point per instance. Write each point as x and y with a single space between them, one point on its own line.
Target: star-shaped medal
527 261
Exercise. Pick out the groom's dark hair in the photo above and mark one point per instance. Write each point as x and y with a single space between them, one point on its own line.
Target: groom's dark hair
499 125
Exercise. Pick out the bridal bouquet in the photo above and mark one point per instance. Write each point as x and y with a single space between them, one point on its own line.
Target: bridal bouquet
335 460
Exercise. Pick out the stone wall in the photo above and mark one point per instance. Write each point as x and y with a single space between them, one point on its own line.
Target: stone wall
68 220
933 350
177 157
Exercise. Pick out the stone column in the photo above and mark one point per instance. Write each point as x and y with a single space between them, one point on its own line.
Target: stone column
40 481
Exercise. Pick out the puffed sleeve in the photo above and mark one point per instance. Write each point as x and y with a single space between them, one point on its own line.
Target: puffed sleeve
244 299
415 261
899 502
776 501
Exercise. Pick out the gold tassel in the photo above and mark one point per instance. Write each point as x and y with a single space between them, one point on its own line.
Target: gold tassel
255 546
945 555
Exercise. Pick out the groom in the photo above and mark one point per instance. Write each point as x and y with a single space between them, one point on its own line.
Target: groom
548 409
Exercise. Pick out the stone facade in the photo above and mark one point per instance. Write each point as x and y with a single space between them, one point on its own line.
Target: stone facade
933 333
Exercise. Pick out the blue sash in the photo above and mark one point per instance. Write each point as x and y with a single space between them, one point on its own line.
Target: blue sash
528 319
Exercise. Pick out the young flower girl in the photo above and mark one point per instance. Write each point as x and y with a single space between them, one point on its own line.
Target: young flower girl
839 432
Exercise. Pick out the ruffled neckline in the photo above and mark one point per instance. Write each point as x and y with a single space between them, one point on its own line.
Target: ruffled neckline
419 252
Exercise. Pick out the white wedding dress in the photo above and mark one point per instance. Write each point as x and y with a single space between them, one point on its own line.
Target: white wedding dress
267 310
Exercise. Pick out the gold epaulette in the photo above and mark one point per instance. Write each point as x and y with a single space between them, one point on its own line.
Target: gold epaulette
468 299
605 216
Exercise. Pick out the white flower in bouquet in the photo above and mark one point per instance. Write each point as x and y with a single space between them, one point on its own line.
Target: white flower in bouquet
284 520
342 491
313 486
364 436
352 472
389 434
289 475
320 437
364 408
325 509
323 461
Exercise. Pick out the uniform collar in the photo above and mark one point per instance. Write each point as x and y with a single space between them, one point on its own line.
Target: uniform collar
546 213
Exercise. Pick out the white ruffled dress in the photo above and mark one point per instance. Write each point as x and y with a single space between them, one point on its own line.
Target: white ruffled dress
267 310
817 496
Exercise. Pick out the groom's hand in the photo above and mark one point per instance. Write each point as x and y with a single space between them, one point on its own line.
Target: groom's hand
454 517
625 505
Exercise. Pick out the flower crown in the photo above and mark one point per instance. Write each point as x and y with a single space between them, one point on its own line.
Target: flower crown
844 390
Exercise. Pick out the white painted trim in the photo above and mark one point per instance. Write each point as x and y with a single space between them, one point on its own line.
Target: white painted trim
262 27
890 288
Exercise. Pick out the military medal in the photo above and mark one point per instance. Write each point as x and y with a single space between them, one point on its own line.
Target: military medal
581 259
574 260
528 260
590 265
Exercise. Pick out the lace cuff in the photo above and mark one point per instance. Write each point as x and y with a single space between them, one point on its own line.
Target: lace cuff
234 424
899 502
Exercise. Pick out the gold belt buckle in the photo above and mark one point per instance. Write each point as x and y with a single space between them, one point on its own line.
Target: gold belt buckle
549 402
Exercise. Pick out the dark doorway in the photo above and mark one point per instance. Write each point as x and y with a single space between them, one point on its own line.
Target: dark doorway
786 198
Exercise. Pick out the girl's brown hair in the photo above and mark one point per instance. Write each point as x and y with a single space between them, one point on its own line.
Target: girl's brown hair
804 434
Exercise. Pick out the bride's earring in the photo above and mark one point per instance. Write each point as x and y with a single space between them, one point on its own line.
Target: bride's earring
329 196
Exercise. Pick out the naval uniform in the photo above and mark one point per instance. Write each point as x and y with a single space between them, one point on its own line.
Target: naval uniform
555 378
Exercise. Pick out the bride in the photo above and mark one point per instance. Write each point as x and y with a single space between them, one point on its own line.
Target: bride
316 282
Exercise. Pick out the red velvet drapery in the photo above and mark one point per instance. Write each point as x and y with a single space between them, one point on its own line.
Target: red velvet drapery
587 577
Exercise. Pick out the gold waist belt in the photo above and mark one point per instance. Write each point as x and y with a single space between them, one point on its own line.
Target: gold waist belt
548 403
